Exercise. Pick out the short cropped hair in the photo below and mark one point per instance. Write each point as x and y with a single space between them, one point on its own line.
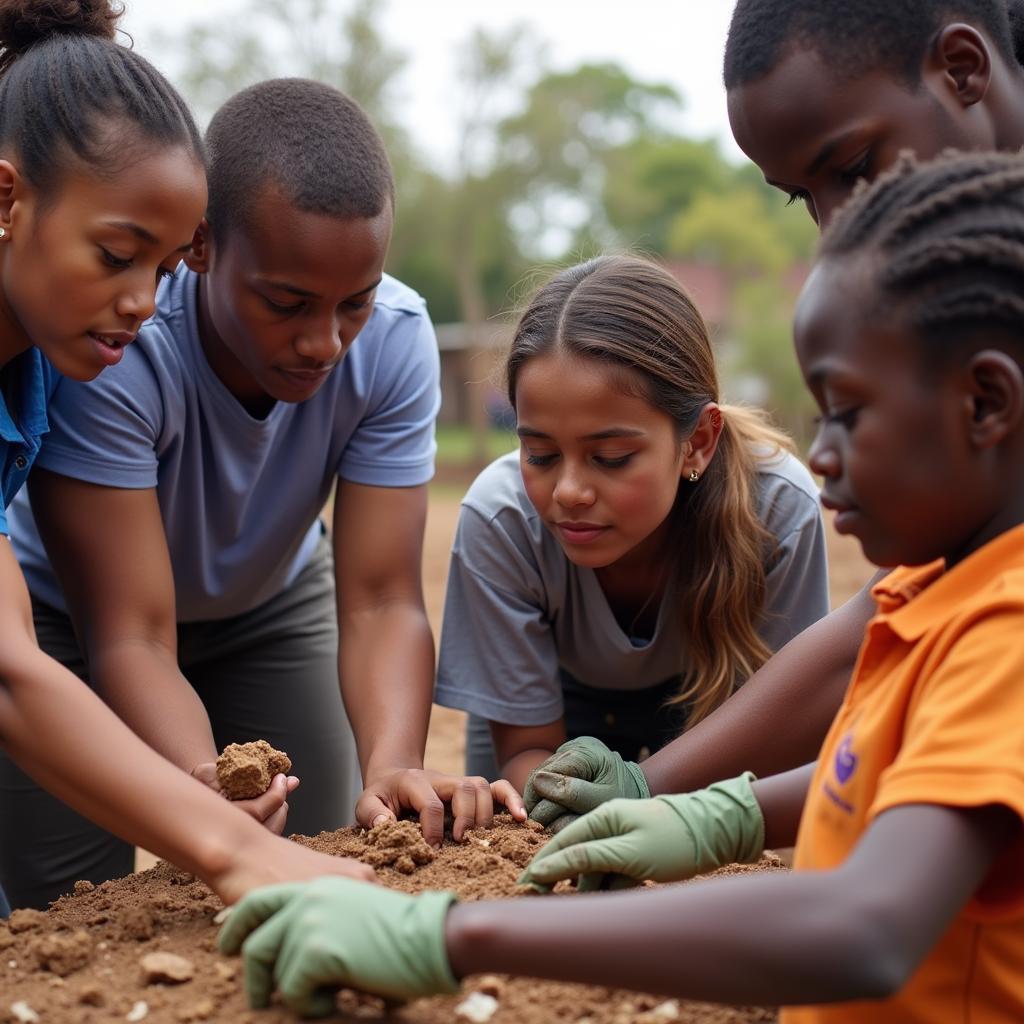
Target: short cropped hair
308 140
857 36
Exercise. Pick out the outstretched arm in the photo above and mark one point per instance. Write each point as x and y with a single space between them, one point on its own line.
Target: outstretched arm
778 719
386 662
774 723
108 549
63 735
856 932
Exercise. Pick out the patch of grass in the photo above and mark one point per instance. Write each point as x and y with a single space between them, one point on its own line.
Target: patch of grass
455 444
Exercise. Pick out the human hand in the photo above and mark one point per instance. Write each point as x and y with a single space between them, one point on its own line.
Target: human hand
307 939
472 800
666 839
579 776
270 809
272 860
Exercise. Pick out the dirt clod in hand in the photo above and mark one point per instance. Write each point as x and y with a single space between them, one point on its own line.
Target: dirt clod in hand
163 920
245 770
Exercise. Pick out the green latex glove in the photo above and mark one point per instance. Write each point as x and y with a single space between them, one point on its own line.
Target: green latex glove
579 776
308 938
667 839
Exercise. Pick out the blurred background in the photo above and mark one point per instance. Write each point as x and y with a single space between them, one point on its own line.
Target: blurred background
526 136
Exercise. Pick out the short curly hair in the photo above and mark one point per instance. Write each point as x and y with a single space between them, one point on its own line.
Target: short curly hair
306 139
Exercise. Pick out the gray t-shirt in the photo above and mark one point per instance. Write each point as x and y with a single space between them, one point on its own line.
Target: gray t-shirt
518 612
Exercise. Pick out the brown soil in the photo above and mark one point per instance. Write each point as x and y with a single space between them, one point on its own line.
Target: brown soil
98 955
245 770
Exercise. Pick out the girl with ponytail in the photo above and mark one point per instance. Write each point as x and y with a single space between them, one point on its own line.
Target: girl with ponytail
646 550
102 185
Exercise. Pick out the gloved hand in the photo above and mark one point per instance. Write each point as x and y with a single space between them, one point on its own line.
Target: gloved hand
576 778
667 839
309 938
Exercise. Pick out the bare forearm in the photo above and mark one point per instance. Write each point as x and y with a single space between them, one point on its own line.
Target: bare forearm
782 798
142 683
386 665
517 769
775 722
58 731
719 956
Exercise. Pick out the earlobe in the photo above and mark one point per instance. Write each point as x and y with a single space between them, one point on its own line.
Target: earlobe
198 258
961 56
996 399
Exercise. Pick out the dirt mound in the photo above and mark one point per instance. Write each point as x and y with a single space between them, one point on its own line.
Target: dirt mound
144 948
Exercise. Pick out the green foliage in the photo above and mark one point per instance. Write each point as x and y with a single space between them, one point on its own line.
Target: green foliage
309 38
764 351
650 181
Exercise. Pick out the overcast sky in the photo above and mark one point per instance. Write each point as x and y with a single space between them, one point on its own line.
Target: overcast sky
675 41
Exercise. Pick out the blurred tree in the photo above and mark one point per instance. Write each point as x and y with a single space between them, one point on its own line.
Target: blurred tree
340 44
557 147
764 354
730 230
651 181
481 250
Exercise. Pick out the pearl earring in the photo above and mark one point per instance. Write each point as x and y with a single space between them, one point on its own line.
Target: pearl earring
3 232
694 476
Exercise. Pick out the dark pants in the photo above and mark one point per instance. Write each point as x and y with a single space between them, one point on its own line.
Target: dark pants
270 674
634 723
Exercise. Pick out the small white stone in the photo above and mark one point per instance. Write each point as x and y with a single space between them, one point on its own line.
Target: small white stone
24 1013
477 1007
137 1012
668 1010
12 964
222 915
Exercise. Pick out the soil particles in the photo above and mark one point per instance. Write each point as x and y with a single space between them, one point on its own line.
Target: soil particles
144 947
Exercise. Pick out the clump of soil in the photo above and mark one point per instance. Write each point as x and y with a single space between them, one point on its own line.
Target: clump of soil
144 947
245 770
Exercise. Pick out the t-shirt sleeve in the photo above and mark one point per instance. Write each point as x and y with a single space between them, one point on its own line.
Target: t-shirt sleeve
105 431
498 658
963 741
393 446
797 580
5 530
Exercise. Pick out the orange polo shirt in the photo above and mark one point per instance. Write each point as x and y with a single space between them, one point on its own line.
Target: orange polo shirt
934 714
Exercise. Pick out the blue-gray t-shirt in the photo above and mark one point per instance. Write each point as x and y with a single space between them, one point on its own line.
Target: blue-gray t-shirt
518 613
240 496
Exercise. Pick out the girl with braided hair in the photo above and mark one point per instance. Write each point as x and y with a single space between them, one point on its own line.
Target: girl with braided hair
102 185
906 902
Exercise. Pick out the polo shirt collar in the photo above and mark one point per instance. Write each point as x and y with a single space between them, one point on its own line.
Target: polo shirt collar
30 383
913 599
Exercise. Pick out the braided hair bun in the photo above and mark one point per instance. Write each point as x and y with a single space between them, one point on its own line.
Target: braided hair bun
23 23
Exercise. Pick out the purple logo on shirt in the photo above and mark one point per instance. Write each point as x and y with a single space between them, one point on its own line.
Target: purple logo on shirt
846 760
